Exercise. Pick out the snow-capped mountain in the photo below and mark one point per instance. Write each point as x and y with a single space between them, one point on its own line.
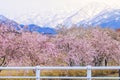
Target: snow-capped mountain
65 18
91 15
110 19
42 20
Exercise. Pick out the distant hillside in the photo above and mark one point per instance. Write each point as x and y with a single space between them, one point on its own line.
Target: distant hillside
36 28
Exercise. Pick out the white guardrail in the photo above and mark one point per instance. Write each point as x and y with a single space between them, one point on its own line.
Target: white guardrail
38 69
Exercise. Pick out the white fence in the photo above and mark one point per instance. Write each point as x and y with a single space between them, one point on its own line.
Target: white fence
38 69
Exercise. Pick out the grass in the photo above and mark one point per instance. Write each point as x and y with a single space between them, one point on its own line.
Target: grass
16 73
57 73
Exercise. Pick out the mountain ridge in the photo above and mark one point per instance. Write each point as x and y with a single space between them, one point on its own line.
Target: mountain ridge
30 27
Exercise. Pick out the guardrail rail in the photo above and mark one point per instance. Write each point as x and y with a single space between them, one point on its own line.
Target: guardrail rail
39 68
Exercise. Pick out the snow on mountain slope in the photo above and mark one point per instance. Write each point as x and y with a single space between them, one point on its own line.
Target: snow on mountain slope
51 19
86 13
110 19
65 18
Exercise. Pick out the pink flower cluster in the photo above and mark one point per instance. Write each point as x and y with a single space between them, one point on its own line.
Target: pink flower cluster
76 47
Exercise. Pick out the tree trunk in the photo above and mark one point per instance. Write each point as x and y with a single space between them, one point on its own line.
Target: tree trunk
106 62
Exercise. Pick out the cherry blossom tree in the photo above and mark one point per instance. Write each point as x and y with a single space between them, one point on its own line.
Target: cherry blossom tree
106 47
74 47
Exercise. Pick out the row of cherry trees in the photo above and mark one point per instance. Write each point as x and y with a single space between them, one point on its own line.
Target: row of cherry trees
71 47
